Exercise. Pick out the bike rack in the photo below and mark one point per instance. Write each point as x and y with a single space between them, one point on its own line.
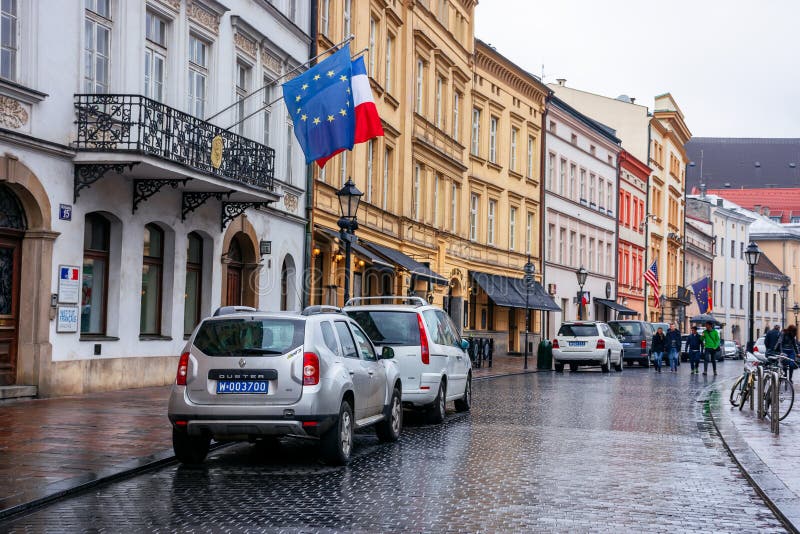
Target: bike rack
760 379
774 418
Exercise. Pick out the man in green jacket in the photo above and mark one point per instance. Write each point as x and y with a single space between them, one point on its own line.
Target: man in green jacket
711 343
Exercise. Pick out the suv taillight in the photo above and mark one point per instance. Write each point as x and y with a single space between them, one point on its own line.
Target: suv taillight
183 369
644 344
555 343
601 343
310 369
425 352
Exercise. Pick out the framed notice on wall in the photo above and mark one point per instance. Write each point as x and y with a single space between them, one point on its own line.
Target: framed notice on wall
69 284
67 319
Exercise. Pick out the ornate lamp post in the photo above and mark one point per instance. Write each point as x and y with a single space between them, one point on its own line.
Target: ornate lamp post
751 255
796 310
529 280
349 199
581 274
783 291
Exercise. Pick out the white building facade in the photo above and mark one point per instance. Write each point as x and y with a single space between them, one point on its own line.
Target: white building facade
130 209
580 219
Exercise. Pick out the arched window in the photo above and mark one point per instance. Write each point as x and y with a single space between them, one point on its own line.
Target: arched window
152 274
288 289
94 285
194 281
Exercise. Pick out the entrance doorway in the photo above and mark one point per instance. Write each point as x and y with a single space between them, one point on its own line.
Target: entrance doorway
240 275
455 304
12 228
235 273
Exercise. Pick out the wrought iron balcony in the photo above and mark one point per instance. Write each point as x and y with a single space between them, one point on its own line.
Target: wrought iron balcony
678 293
136 124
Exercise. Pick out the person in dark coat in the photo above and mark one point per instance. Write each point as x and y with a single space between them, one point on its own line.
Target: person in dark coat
694 346
657 347
771 338
788 346
673 347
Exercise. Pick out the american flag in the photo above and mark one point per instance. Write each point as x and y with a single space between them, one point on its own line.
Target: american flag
651 275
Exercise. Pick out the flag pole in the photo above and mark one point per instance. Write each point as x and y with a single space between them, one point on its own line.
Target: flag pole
265 106
284 75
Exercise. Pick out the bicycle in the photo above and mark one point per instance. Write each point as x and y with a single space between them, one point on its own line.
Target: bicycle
785 387
745 385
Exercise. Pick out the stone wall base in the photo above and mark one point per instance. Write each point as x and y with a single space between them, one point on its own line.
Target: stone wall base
108 374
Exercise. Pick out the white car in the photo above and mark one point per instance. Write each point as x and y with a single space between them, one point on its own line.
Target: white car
731 351
760 348
434 365
587 343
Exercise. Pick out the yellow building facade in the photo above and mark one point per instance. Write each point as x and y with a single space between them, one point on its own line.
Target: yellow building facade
454 183
668 135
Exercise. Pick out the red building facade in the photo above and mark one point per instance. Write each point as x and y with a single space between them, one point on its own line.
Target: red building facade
632 260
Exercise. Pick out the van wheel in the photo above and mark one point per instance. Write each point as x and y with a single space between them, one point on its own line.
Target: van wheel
389 429
337 443
190 449
437 411
465 403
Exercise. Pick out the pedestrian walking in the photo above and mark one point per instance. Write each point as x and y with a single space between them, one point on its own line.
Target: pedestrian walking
788 346
694 346
771 338
673 347
657 347
711 343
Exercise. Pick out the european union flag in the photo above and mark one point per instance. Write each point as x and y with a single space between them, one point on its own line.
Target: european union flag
702 293
320 102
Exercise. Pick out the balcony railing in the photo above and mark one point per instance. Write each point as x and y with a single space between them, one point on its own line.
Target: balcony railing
136 124
678 293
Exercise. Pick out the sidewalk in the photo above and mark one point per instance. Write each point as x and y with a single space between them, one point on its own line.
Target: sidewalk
771 462
50 447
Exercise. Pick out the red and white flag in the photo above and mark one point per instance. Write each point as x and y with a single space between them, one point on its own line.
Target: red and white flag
368 123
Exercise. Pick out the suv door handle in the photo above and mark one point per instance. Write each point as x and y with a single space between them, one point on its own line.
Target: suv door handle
352 373
370 373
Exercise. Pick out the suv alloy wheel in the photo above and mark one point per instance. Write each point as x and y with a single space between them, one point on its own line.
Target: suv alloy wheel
337 443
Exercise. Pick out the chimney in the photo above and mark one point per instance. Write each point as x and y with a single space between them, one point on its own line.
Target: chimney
765 211
633 100
719 202
561 81
757 208
703 190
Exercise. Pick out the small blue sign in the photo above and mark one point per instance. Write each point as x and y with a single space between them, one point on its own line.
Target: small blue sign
65 212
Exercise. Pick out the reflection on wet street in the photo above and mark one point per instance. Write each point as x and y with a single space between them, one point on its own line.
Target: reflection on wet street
574 452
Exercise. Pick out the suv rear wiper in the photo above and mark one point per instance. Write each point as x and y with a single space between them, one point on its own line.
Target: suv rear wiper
256 350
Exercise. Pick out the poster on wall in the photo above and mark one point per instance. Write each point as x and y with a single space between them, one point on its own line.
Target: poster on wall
68 284
67 319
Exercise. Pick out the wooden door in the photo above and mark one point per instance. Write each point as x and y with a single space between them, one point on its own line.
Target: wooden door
234 285
9 308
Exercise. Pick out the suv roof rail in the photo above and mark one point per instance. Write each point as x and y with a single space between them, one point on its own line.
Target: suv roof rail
227 310
313 310
388 299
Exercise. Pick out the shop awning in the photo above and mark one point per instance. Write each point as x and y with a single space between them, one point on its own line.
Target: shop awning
617 307
511 292
371 257
417 270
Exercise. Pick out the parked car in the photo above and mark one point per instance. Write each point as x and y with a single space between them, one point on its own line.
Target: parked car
636 337
730 350
684 353
587 343
760 347
247 375
428 349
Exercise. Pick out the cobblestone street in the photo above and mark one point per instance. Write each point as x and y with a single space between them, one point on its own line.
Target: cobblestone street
540 452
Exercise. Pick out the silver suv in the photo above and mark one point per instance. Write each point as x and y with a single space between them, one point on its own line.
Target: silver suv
247 375
427 347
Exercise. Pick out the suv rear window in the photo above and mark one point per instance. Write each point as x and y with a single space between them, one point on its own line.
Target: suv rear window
627 329
578 330
388 327
231 337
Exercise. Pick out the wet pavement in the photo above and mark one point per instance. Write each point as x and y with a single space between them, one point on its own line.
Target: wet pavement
541 452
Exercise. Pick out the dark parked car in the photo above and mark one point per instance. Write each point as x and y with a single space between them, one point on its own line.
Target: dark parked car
635 337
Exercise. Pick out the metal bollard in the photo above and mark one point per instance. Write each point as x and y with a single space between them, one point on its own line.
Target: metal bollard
760 387
752 393
776 399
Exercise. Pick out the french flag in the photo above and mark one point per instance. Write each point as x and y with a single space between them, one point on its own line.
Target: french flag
368 123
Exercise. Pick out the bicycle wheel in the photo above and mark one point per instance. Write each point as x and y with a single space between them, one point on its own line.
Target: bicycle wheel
786 398
747 390
736 391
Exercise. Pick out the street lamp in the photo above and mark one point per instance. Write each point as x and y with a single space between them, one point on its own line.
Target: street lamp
663 301
581 274
529 280
783 291
349 199
751 255
796 310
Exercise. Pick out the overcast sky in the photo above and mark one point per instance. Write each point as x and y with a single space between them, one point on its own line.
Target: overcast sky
733 66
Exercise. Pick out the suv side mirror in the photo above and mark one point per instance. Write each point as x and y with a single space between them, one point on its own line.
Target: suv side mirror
387 353
464 344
